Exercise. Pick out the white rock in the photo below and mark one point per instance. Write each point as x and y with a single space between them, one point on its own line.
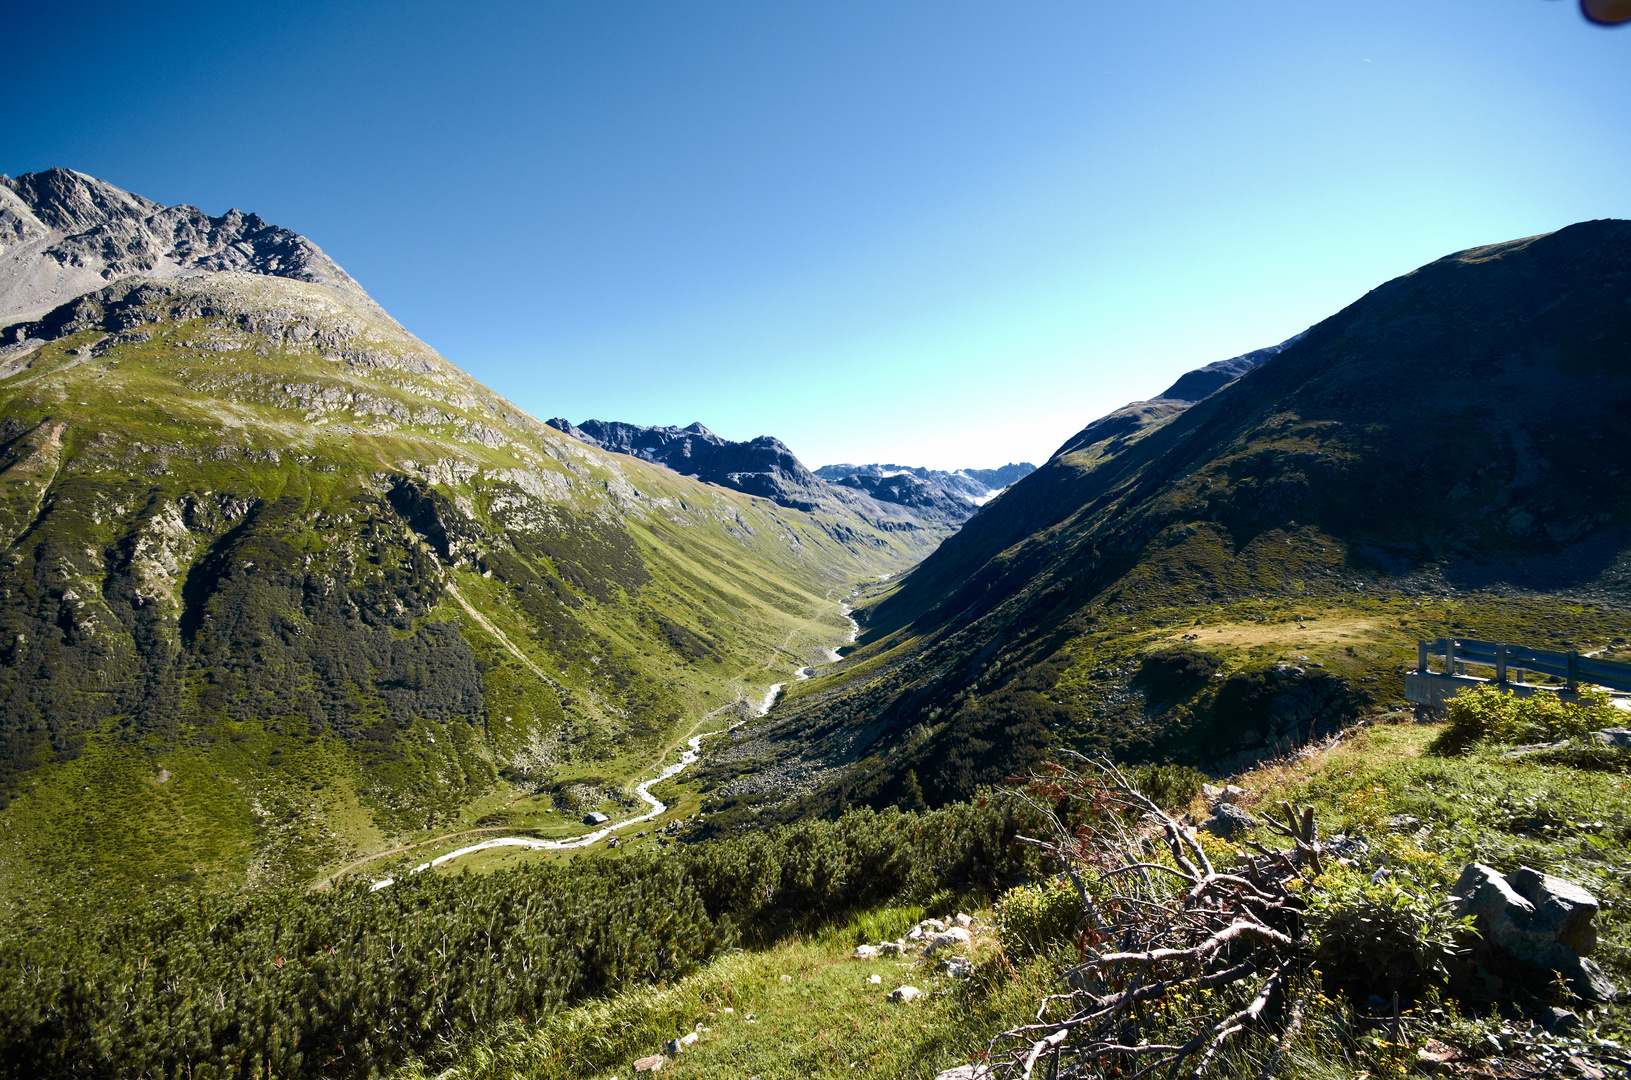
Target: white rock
965 1072
905 993
949 939
866 952
689 1038
965 921
874 979
787 978
932 926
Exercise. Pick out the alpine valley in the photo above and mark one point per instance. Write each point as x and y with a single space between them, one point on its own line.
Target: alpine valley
354 723
282 588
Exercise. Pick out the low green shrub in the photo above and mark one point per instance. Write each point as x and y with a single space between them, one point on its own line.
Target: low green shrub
1380 937
1176 672
1033 918
1485 712
1169 786
882 924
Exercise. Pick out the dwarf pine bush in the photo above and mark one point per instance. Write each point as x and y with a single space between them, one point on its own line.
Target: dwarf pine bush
346 983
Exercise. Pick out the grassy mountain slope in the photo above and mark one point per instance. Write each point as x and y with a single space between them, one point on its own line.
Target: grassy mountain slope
1447 454
279 585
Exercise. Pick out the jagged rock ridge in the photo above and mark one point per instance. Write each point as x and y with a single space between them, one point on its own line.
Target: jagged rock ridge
64 234
765 467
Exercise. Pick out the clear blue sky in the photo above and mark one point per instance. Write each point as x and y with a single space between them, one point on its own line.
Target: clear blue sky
932 232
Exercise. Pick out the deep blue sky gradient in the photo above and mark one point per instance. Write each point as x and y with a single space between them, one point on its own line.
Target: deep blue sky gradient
931 232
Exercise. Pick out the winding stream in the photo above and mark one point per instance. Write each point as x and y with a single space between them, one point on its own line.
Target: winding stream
688 757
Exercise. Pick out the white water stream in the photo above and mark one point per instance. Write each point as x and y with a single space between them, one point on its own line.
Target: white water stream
687 758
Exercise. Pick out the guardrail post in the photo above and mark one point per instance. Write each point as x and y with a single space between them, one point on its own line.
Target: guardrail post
1574 671
1449 657
1500 663
1421 657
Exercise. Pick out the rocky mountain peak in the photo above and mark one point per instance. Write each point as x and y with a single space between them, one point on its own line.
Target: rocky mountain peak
72 202
64 234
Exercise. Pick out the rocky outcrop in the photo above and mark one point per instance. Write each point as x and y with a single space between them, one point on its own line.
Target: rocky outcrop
1228 821
1535 927
64 234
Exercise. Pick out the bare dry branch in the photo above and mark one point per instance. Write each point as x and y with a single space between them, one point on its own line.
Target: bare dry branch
1184 931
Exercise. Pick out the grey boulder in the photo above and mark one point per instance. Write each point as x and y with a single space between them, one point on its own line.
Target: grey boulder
1536 921
1228 821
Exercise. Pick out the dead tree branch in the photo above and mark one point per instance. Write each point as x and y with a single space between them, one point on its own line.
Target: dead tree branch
1210 957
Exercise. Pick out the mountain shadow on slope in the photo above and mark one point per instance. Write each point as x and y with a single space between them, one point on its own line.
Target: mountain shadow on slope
1460 419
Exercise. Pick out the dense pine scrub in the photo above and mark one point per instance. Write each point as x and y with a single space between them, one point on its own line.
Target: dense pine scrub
351 981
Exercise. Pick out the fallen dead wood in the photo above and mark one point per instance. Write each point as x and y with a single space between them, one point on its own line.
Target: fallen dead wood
1170 945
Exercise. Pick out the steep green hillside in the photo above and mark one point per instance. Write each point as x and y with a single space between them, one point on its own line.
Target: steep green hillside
279 586
1446 455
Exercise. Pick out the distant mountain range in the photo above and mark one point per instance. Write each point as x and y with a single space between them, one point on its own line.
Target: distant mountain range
767 468
977 486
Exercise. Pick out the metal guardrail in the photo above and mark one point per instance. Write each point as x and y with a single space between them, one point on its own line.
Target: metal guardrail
1424 686
1572 667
